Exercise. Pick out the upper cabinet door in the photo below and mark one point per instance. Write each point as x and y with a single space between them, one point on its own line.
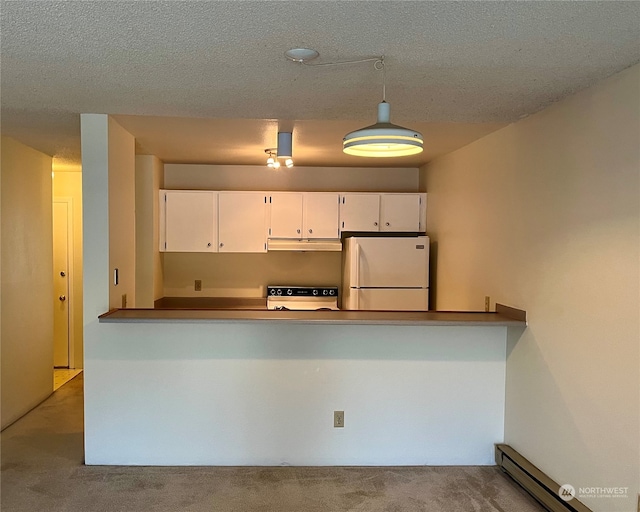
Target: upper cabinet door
400 212
189 221
286 215
360 212
321 215
242 222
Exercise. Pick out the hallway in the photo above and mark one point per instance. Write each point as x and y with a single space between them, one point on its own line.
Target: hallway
42 470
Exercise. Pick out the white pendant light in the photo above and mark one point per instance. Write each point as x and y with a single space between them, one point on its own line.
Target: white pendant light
383 139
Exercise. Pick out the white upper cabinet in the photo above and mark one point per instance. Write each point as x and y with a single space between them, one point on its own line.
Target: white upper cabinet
321 215
286 215
400 212
242 221
360 212
188 221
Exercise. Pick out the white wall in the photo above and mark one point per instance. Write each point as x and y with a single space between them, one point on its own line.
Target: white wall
544 215
122 214
247 275
200 393
26 279
149 260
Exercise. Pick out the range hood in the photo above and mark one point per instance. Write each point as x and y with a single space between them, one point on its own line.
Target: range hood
281 244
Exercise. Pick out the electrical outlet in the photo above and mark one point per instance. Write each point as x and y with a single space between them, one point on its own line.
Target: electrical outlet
338 419
487 303
124 300
197 286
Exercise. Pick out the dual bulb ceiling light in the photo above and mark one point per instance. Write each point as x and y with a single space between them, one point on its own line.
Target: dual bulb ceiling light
381 140
284 151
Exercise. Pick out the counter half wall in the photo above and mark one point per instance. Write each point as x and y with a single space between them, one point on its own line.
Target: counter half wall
215 392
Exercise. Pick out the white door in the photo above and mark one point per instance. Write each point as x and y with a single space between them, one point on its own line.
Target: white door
242 222
190 221
400 212
391 299
360 212
61 284
286 215
321 215
398 262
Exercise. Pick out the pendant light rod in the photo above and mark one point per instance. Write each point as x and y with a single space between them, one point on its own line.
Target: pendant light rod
339 62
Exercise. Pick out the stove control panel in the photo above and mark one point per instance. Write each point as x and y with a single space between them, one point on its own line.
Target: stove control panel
302 291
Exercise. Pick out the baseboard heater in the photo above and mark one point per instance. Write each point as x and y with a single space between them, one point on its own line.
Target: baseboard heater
534 481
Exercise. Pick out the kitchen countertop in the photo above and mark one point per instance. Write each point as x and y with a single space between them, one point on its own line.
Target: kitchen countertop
504 316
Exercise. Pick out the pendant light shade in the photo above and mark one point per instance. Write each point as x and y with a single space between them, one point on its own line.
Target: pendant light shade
383 139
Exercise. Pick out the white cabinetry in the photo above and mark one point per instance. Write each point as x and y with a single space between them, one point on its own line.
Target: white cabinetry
320 215
242 221
303 215
400 212
286 215
188 221
360 212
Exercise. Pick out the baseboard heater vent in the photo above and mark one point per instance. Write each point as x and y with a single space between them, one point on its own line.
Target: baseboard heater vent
534 481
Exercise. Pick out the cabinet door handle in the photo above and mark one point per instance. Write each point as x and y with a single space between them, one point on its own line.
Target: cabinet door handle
221 244
298 231
209 244
387 224
62 298
311 231
375 223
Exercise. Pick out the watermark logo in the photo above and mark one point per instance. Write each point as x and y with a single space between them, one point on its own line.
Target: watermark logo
567 492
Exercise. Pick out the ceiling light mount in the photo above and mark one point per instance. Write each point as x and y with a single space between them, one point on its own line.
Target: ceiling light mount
301 55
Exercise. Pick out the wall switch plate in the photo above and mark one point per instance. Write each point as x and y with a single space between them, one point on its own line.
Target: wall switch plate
197 286
338 419
124 300
487 303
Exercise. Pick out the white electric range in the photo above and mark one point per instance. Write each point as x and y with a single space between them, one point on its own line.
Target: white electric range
302 297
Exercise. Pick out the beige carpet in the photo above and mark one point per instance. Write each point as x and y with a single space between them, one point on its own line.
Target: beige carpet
42 470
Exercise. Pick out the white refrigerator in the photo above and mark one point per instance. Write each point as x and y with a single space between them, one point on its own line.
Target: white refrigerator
386 273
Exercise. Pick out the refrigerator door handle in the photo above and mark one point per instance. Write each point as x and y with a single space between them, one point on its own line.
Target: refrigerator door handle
357 258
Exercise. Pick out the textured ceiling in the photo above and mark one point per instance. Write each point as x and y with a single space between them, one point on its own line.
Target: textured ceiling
460 64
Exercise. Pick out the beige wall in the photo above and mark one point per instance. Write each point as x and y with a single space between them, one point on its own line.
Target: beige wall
247 275
67 183
545 215
149 278
26 279
314 179
122 202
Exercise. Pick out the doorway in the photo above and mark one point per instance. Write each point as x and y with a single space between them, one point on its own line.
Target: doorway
62 283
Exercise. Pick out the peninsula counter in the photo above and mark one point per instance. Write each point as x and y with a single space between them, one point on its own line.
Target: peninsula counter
234 387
